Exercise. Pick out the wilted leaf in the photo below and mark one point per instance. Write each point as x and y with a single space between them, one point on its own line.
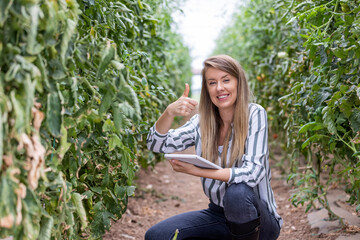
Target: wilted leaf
80 210
35 154
356 139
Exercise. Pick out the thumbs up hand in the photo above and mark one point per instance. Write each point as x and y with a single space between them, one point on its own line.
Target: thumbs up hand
183 106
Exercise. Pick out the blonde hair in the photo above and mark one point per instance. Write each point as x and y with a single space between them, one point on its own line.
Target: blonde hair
210 120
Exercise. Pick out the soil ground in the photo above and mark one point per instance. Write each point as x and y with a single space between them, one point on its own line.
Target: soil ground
162 193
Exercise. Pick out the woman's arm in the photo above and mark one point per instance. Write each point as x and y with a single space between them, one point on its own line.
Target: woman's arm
165 140
184 106
217 174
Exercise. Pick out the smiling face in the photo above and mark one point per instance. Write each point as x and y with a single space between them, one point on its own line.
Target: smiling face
222 88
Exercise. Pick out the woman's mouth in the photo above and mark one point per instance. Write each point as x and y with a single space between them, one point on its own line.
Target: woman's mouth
222 97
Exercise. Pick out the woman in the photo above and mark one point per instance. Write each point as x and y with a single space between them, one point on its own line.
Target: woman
232 133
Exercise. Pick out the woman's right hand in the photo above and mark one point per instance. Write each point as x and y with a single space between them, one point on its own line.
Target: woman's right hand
184 106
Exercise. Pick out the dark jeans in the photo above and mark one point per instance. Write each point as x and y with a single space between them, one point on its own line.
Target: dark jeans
241 205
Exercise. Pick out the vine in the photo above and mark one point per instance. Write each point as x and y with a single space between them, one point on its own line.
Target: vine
302 58
80 82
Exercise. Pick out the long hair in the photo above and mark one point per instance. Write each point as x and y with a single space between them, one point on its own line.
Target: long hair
210 120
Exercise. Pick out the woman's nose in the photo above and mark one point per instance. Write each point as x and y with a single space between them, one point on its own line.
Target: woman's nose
220 86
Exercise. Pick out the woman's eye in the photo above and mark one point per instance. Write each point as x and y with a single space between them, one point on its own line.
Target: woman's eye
226 80
212 83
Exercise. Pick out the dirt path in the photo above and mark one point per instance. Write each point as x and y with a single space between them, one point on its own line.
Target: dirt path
162 193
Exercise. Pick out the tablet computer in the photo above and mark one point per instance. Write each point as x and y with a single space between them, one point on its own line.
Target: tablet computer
193 159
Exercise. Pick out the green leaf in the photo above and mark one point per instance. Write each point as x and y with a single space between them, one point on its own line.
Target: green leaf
114 142
1 139
32 46
346 107
106 180
340 53
106 102
47 224
127 109
117 65
97 190
119 191
101 220
118 117
106 56
356 154
133 98
310 126
313 138
328 118
64 145
355 120
291 20
130 190
140 5
68 33
53 114
108 126
321 96
5 5
19 113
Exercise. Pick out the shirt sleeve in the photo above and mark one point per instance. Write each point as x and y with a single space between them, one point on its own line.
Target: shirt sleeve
252 169
174 140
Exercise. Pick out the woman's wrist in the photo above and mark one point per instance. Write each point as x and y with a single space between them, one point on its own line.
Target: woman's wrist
168 113
218 174
163 124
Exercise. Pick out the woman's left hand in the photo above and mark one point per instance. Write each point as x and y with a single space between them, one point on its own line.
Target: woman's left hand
179 166
218 174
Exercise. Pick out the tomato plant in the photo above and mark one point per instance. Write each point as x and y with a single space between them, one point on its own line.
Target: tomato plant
80 83
302 59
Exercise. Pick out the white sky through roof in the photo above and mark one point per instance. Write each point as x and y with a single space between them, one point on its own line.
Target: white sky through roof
200 24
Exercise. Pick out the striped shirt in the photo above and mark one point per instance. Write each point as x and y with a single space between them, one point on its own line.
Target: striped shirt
253 169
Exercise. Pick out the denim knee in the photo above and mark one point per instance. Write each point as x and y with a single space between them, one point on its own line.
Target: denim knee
240 203
238 192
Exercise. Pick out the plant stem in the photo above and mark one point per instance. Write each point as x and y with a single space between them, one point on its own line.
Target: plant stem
332 16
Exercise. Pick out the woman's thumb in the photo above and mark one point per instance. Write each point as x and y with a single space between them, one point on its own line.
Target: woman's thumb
187 90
